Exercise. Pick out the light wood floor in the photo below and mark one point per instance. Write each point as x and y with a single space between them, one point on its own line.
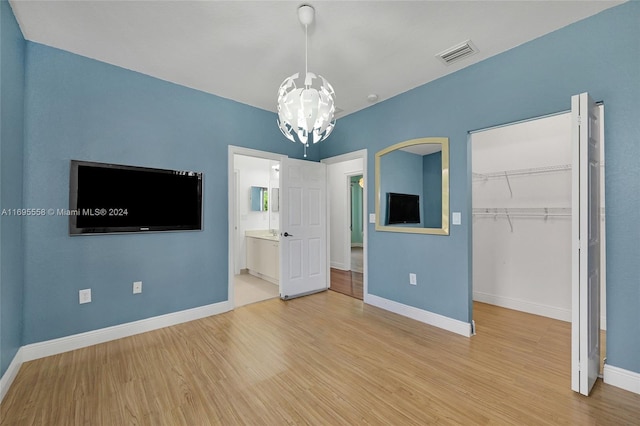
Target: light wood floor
324 359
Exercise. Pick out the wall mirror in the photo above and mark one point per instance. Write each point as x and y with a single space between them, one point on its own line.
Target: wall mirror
259 199
412 187
275 199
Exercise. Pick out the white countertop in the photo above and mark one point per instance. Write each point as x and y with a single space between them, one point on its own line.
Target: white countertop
264 234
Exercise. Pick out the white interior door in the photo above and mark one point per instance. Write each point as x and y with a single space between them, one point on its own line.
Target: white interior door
303 228
585 349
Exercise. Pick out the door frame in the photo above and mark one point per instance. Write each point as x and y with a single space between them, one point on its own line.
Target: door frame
603 251
354 155
349 213
231 204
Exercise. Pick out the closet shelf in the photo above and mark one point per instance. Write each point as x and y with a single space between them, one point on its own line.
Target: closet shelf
483 177
523 211
521 172
534 212
526 212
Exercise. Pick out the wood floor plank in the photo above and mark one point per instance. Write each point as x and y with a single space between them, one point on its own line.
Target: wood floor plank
321 359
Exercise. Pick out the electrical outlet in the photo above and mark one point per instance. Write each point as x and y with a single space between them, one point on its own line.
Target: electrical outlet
137 287
84 296
413 279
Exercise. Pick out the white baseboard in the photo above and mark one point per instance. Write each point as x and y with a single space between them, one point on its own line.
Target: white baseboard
529 307
94 337
339 265
621 378
437 320
524 306
9 376
264 277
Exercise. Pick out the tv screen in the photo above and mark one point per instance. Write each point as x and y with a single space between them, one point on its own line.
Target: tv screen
105 198
402 208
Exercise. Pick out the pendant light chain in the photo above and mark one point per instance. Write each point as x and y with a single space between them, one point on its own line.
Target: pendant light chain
306 53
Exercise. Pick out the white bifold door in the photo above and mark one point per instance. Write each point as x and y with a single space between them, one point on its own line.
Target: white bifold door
303 228
585 332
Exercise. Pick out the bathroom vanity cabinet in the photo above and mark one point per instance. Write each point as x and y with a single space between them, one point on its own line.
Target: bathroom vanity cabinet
263 256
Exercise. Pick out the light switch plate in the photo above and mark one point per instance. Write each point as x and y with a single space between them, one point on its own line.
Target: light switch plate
456 218
372 218
84 296
137 287
413 279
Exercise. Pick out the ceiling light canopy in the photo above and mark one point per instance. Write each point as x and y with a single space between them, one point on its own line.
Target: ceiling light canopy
306 106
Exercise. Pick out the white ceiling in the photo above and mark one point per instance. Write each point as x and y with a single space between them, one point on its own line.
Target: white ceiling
243 50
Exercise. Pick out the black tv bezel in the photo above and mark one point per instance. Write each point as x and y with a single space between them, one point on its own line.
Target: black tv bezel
73 202
397 194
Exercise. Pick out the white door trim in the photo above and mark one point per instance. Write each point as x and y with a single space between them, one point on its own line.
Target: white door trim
348 213
360 154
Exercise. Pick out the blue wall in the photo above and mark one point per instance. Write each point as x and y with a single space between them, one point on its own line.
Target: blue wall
78 108
600 55
12 49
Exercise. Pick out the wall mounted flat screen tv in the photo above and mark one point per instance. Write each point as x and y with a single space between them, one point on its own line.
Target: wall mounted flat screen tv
402 208
106 198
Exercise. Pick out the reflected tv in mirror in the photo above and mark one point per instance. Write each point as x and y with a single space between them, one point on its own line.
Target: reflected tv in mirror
112 198
402 208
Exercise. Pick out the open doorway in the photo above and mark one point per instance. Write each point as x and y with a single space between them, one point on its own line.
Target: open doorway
522 218
254 210
356 189
347 217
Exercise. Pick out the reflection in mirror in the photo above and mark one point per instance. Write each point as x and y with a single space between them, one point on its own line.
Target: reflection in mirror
259 199
275 199
412 187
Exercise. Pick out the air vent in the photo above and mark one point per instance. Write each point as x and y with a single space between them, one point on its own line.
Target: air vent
457 52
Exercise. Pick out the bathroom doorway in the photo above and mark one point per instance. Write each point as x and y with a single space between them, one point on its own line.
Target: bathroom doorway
256 228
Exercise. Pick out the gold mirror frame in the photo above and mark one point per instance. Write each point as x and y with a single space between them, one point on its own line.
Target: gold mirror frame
444 229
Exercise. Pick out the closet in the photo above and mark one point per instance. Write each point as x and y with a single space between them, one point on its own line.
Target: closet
521 179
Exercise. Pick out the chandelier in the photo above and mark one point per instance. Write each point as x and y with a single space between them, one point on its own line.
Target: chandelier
306 106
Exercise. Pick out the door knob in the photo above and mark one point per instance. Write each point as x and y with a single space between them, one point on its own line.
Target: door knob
286 234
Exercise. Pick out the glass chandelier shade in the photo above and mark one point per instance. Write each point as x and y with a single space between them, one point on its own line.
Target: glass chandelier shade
306 107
